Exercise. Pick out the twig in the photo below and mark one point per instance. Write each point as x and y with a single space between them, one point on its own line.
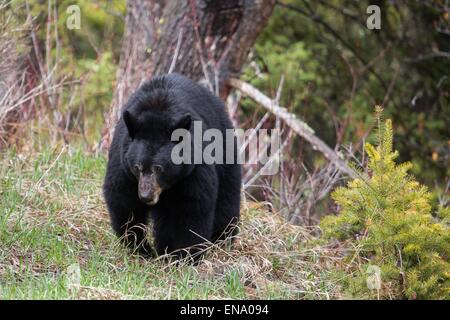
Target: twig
177 50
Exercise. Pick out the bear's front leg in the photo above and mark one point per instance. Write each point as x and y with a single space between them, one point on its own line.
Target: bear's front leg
129 217
185 237
183 221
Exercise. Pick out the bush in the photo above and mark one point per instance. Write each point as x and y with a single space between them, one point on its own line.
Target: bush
386 219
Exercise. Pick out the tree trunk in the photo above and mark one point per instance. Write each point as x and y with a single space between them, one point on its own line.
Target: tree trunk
210 41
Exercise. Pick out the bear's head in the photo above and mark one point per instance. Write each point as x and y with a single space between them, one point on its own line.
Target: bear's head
148 156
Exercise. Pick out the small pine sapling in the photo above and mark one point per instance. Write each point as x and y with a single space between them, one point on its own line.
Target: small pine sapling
386 219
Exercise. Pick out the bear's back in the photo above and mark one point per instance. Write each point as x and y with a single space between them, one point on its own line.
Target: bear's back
193 98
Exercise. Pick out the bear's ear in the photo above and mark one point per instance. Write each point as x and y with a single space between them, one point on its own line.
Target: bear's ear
184 122
129 122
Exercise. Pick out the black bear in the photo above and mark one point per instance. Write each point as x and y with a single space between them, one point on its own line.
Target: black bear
189 203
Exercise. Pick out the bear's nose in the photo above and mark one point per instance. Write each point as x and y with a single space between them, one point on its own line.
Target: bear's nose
145 196
150 199
149 189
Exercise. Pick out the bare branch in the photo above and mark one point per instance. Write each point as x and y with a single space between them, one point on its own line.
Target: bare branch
297 125
177 50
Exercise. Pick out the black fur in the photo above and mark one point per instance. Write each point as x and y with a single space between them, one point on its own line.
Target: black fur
198 202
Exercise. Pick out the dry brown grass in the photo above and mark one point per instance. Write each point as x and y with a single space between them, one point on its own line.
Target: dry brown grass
274 255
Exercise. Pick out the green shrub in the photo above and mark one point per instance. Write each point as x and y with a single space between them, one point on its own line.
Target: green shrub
386 220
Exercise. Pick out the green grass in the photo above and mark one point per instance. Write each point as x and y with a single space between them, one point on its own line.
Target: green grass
56 243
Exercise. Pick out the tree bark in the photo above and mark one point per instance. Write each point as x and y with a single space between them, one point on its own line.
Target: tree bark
212 40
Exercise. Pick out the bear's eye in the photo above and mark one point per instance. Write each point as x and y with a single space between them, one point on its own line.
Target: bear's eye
157 169
137 167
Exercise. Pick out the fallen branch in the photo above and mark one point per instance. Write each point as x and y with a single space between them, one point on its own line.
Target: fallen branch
297 125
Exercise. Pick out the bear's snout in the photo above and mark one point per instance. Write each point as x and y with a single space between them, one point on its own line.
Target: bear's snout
149 189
